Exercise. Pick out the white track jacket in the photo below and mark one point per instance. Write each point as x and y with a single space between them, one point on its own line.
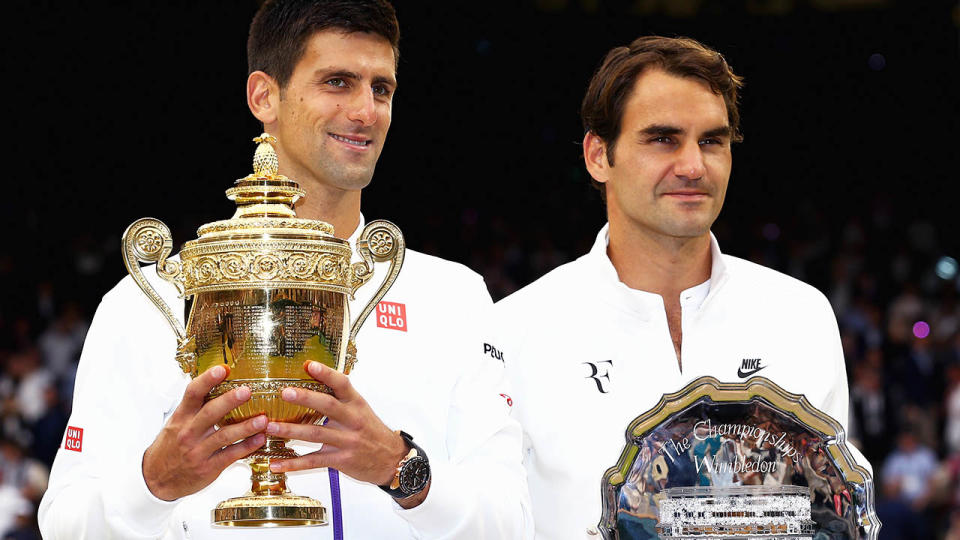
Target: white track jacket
428 379
585 355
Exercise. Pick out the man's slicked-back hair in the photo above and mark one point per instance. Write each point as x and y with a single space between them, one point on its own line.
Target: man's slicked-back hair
611 85
280 30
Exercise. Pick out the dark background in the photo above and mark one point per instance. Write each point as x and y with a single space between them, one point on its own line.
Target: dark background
847 179
132 110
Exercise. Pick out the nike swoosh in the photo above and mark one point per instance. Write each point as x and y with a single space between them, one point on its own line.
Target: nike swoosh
744 374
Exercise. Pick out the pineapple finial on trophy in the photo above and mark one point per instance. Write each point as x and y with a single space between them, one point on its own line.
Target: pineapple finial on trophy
265 192
265 162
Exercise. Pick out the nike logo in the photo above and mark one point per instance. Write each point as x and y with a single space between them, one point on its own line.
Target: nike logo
749 367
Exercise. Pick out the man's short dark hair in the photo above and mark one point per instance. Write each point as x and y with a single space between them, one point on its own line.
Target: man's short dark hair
280 30
606 97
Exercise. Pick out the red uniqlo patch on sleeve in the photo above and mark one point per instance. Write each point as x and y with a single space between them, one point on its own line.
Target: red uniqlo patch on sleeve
392 315
74 440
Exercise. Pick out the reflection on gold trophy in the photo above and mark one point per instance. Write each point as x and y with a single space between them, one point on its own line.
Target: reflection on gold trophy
270 291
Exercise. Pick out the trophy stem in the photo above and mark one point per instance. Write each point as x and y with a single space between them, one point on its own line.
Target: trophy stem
264 481
269 503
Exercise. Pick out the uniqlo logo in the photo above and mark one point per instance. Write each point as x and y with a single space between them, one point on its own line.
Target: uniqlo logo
74 439
392 315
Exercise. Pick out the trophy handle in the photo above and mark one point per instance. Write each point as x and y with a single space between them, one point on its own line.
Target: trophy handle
379 241
149 240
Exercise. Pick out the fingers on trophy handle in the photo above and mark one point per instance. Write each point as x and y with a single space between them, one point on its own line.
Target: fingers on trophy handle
380 241
148 240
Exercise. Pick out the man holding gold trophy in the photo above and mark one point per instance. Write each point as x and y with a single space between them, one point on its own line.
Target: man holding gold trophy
747 440
419 429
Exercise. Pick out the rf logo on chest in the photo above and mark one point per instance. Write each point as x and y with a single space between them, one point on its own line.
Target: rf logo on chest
600 374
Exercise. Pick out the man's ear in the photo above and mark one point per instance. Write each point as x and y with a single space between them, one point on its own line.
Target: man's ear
263 97
595 157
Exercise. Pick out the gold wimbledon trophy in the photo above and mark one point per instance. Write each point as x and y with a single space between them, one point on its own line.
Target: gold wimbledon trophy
269 293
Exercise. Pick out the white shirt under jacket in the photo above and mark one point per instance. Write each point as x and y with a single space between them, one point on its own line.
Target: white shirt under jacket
579 330
429 380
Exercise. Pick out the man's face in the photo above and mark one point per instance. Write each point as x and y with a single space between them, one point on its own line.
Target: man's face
334 113
671 162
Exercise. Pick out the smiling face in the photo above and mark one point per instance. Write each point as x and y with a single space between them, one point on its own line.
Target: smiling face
332 117
672 160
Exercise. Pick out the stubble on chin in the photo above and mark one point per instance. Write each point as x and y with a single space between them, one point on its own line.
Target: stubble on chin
342 174
350 178
689 224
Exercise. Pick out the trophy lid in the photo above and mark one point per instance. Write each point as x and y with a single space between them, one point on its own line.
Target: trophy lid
265 200
265 244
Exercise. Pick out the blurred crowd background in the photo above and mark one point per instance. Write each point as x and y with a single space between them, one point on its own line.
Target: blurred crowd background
846 180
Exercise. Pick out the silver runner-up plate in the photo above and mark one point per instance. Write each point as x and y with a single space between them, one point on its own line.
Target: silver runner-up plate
737 460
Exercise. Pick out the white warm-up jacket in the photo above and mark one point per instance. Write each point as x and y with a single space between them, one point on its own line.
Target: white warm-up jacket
428 379
585 355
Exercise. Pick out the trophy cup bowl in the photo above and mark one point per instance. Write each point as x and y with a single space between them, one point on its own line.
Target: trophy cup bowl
269 293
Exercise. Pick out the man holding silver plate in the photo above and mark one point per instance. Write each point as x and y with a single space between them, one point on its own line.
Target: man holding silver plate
668 390
419 429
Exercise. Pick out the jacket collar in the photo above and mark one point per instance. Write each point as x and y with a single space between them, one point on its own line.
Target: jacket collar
356 234
646 304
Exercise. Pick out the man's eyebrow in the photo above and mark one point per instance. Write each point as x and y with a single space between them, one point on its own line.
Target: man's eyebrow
337 73
666 130
380 79
660 129
722 131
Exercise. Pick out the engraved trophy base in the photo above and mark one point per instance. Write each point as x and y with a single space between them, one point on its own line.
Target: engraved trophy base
269 503
286 510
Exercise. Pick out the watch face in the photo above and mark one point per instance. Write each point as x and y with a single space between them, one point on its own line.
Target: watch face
414 475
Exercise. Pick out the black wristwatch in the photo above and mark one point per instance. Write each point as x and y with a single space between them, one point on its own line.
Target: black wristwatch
413 472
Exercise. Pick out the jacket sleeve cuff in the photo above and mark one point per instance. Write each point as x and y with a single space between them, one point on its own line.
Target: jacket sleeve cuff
131 505
444 507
